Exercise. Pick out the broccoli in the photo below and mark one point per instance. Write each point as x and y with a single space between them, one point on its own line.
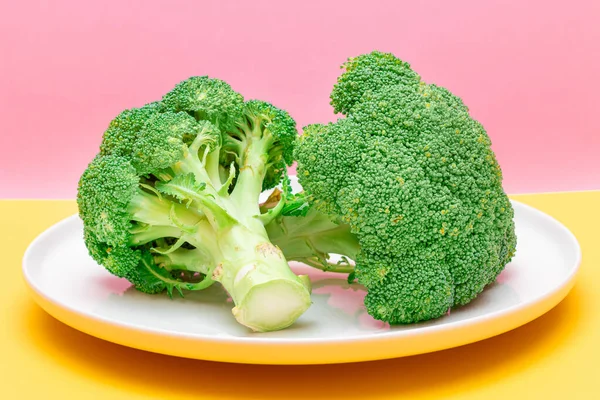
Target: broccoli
406 186
171 201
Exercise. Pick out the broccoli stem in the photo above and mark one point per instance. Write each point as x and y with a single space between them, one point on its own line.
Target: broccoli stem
253 169
196 260
152 233
327 267
266 293
174 283
153 209
212 168
312 238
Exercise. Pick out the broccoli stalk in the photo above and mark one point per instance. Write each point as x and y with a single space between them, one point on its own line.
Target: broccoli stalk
254 272
313 238
172 200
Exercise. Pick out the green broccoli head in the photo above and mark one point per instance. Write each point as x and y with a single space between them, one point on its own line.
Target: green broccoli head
125 128
171 202
160 143
110 201
125 262
366 74
414 177
104 194
206 99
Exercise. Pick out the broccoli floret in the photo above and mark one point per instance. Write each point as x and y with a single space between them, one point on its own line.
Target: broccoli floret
412 177
122 131
206 99
260 118
366 74
172 200
125 221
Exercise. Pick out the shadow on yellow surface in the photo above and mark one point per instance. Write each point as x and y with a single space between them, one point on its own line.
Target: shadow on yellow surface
461 369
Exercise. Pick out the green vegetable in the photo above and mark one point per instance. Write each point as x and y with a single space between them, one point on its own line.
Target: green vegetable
171 202
405 189
407 186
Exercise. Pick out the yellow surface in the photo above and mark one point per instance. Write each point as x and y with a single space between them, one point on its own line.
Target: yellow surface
556 356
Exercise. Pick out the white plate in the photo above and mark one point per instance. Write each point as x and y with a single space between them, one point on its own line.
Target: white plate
69 285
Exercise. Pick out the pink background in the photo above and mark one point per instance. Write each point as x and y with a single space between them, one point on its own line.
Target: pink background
527 69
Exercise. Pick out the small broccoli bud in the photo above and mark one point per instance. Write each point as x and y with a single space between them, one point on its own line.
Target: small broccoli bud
368 73
124 130
105 191
206 99
160 143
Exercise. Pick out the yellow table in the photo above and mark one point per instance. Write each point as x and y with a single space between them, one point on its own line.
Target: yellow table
556 356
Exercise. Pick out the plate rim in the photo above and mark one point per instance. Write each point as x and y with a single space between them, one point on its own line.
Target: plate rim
553 295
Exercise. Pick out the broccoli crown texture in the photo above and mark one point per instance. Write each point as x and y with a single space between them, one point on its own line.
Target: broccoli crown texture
110 200
414 176
206 99
366 74
171 202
